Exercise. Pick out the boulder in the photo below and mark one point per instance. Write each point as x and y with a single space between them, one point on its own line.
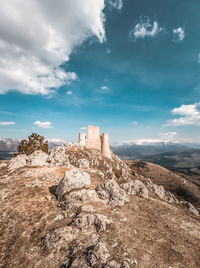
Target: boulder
60 237
38 158
57 156
85 221
73 179
160 192
17 162
110 191
3 165
135 187
99 254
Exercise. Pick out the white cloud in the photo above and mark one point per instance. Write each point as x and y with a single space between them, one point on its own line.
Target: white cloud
36 37
118 4
40 124
189 115
178 34
69 92
104 88
145 29
7 123
83 128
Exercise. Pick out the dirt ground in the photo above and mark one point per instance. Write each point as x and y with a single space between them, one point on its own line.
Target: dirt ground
153 233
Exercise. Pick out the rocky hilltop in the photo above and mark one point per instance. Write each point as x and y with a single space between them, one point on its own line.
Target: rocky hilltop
74 208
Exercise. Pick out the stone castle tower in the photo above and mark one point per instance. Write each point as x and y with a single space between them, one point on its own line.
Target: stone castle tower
95 141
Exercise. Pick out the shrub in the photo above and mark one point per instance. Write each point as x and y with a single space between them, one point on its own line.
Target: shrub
35 142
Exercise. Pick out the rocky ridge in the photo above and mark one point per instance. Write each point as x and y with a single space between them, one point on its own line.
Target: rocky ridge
82 210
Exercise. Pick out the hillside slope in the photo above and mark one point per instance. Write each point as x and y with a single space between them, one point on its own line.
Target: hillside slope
181 186
74 208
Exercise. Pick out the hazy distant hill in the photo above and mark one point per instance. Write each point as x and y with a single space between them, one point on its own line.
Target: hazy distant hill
173 160
169 155
9 146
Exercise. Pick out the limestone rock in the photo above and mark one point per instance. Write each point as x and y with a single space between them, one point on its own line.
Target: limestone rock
60 237
17 162
190 207
57 156
98 255
38 158
85 221
3 165
83 163
161 192
135 187
73 179
111 191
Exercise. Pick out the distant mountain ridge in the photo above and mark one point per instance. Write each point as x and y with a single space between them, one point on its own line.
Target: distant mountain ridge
170 155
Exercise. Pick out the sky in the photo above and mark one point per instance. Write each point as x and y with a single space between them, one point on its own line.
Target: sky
131 67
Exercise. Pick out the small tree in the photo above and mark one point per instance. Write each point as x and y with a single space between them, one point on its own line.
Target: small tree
35 142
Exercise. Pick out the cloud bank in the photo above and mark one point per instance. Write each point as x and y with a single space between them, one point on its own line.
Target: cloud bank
37 37
189 115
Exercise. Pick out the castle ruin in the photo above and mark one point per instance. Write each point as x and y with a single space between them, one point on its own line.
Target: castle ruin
95 141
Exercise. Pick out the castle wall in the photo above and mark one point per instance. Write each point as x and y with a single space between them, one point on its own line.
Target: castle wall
82 139
105 149
94 141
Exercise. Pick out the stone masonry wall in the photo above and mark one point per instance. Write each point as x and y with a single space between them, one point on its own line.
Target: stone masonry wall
94 141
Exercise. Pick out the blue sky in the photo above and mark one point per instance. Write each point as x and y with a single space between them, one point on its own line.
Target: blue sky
131 67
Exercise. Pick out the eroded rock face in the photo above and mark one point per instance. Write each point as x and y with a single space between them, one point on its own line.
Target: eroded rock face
191 208
37 158
160 192
73 179
60 237
109 190
17 162
135 187
98 255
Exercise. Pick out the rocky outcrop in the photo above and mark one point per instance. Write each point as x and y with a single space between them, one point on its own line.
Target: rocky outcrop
191 208
111 192
135 187
80 210
73 179
37 158
3 165
17 162
60 237
160 192
86 221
